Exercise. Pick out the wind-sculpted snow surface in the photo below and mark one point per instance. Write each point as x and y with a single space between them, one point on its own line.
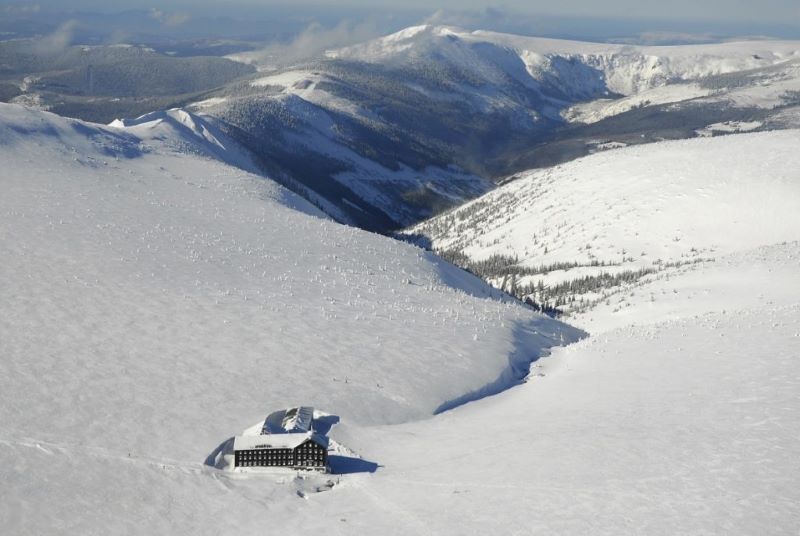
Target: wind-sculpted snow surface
155 302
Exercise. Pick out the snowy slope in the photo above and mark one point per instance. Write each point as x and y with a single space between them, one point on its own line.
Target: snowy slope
156 302
683 424
639 208
319 131
336 134
659 201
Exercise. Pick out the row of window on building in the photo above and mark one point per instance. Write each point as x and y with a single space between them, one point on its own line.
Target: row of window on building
282 457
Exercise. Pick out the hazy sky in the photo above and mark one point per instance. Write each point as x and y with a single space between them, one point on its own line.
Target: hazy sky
760 11
577 19
740 10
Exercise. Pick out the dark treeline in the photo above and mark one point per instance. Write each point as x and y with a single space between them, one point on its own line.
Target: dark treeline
550 299
506 265
562 294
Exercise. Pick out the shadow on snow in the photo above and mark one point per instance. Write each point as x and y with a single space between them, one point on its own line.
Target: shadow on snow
529 345
345 465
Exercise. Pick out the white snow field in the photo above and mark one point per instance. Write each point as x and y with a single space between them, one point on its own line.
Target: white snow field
156 302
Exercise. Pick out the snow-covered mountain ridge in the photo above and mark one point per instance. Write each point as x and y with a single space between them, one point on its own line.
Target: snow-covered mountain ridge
392 131
185 131
630 210
580 71
626 69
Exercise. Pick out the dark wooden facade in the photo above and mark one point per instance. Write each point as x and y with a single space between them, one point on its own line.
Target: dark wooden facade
307 455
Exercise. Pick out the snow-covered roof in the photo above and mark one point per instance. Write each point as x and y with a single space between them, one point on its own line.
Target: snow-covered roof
298 419
293 420
276 441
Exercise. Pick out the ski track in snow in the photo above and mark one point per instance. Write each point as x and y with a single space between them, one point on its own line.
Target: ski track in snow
72 451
